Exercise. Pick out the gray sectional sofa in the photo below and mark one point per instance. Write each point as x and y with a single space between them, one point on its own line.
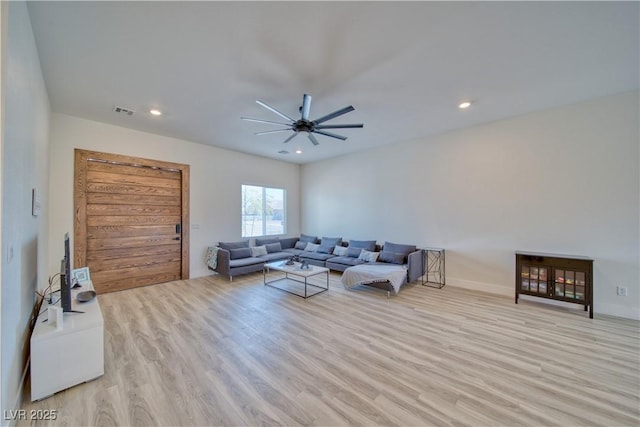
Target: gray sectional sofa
235 258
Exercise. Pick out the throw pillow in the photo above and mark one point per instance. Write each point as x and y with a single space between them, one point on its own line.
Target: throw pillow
258 250
391 257
306 238
353 252
301 245
368 256
237 253
340 251
311 247
273 247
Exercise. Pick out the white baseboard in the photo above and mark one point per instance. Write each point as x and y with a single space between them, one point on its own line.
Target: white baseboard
605 309
480 286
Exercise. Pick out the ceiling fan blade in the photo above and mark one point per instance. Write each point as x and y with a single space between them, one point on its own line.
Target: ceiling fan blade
306 106
291 137
359 125
333 115
275 111
273 131
313 139
263 121
332 135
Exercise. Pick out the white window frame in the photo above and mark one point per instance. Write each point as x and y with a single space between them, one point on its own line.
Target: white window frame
264 215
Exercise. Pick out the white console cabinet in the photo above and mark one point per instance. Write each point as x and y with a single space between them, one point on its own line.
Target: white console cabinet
67 356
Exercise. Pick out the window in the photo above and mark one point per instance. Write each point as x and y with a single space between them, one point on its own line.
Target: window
263 211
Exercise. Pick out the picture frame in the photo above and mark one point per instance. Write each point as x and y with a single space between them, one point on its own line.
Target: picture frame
80 275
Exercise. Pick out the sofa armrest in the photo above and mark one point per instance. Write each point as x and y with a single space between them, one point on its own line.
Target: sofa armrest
224 256
414 266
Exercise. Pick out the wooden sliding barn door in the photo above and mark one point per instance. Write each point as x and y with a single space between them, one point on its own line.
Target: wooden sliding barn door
131 220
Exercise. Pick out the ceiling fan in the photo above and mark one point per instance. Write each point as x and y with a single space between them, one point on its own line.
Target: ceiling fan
306 125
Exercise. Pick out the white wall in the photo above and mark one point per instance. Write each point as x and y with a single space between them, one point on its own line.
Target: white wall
25 158
563 181
216 177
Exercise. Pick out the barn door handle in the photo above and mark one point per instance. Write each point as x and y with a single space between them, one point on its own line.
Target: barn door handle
178 228
176 238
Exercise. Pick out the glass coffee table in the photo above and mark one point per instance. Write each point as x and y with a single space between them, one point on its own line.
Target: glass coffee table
296 281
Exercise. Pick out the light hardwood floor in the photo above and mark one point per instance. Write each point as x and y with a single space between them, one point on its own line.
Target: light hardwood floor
212 352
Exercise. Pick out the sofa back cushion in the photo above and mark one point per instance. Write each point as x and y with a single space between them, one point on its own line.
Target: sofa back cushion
353 252
273 247
265 241
237 253
288 242
398 248
328 243
369 245
234 245
310 239
392 257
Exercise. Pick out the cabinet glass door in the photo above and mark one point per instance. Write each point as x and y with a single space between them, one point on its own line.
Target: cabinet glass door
569 284
534 279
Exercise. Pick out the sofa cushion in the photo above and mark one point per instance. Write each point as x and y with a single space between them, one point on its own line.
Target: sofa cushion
243 262
368 256
397 248
234 245
238 253
300 245
392 257
306 238
266 241
369 245
311 247
345 260
316 256
273 247
275 256
340 251
293 251
258 250
328 243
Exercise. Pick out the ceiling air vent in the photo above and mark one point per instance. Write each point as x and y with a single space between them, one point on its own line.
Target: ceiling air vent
123 110
283 152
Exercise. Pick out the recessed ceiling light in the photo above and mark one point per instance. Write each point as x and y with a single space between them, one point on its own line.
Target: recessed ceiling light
155 112
298 151
465 104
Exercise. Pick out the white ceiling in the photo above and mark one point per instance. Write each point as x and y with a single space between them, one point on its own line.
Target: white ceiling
403 66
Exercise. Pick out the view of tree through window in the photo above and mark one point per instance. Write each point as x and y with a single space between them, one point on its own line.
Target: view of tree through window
263 211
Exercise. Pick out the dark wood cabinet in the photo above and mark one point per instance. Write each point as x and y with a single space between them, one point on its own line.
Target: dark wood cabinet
559 277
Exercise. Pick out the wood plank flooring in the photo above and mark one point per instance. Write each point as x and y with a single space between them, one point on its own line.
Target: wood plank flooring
212 352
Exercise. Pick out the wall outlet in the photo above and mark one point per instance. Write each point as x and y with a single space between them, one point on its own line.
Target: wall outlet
622 291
